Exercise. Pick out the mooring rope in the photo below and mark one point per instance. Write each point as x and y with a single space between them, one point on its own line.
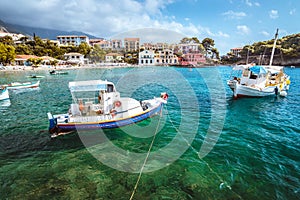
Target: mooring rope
216 174
146 158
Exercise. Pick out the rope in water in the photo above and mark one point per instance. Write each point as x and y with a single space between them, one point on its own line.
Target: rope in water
146 158
216 174
178 131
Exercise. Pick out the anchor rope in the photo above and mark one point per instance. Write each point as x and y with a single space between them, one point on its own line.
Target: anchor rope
206 163
146 158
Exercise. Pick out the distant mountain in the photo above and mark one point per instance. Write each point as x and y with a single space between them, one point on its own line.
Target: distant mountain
41 32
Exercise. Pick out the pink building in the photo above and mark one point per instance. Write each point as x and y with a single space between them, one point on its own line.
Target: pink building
192 59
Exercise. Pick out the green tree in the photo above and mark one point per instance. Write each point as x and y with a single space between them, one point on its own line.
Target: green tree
23 49
7 53
208 44
7 40
84 48
97 54
35 61
215 53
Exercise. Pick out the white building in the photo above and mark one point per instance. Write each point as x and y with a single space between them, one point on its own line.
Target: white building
147 57
189 48
166 57
74 58
113 58
116 44
72 40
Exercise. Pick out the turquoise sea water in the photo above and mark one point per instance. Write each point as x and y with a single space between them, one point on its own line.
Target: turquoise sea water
256 153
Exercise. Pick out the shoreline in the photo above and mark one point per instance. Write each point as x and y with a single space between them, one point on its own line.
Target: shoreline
17 68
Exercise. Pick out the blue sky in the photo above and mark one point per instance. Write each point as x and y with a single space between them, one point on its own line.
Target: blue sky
230 23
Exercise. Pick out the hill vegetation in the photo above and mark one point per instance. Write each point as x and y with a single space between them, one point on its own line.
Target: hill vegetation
287 52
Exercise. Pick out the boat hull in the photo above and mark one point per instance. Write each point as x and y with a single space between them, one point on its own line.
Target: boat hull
4 94
17 86
248 91
60 128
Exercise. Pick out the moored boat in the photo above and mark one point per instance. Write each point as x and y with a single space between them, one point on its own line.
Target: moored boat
35 76
54 72
258 81
252 80
18 85
97 105
4 93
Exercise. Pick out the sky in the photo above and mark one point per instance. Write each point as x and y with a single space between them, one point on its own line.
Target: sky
230 23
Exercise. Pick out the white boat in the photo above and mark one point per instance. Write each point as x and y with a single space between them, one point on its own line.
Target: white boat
97 105
35 76
4 93
18 85
252 80
53 72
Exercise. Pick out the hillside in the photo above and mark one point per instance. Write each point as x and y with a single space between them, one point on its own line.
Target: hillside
41 32
287 51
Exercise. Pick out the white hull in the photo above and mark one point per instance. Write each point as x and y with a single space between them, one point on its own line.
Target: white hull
4 94
248 91
254 91
17 85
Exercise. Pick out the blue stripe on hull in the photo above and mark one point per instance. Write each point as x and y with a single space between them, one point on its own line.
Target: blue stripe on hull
111 124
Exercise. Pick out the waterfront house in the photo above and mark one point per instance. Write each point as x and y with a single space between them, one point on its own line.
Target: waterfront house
189 47
132 44
193 58
21 60
166 57
236 51
74 58
114 58
147 57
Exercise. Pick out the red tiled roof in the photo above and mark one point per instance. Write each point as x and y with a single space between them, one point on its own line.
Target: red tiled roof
25 57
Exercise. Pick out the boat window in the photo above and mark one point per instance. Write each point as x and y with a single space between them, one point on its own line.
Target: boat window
253 76
110 88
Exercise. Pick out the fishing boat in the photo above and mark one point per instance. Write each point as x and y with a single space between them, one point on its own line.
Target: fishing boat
4 93
18 85
53 72
97 105
252 80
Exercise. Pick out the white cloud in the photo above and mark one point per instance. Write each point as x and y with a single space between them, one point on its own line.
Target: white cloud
234 15
265 33
243 29
273 14
249 3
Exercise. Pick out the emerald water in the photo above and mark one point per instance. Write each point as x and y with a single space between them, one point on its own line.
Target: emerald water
251 148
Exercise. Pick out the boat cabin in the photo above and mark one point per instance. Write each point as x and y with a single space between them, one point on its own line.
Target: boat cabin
94 97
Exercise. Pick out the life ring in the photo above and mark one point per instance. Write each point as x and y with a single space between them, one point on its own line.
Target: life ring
117 103
113 113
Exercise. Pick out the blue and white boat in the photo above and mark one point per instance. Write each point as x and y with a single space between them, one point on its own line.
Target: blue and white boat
97 105
4 93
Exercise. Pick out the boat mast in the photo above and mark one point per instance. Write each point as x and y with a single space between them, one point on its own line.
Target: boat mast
273 50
